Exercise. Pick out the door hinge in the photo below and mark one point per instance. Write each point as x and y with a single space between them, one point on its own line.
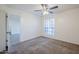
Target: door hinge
6 15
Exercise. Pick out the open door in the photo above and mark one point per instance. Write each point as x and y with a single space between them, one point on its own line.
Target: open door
13 31
2 31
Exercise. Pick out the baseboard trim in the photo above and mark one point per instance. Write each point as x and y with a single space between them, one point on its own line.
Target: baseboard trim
62 41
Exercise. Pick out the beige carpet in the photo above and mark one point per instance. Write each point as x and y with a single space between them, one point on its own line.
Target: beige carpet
43 45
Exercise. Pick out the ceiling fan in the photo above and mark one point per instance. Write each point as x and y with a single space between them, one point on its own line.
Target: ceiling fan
46 10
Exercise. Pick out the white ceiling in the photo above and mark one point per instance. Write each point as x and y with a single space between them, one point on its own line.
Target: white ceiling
24 7
32 7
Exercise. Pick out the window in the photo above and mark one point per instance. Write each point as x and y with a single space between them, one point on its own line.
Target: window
49 26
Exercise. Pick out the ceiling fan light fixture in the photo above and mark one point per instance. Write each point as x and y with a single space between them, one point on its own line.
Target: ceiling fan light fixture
46 9
45 13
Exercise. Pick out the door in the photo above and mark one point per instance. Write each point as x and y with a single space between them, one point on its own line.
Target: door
13 31
2 31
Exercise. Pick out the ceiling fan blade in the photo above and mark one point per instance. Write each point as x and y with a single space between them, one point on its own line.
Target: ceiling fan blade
44 6
37 10
54 7
51 12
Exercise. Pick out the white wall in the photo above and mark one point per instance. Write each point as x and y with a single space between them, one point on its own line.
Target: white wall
30 26
67 26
